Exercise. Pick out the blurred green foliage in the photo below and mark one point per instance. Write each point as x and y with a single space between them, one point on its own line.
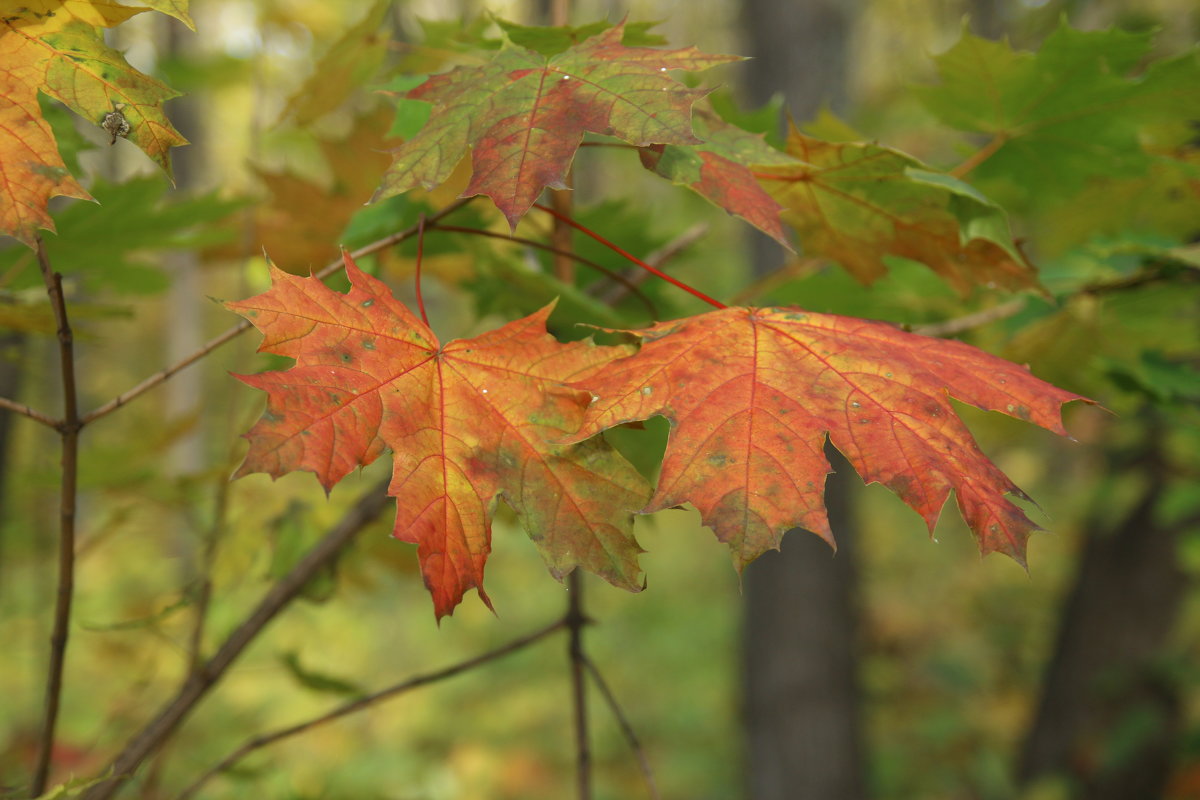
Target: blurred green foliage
953 648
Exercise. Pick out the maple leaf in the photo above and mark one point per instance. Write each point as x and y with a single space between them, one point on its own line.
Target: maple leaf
56 48
523 115
468 422
1068 112
859 203
752 394
717 170
303 218
350 61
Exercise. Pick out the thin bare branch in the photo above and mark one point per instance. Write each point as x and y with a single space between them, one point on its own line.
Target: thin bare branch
575 622
634 278
243 326
26 411
603 270
204 587
69 431
263 740
626 728
974 320
793 269
198 682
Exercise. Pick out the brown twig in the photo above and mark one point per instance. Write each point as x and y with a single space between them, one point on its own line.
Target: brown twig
243 326
263 740
204 590
636 277
587 262
795 268
200 681
626 728
968 321
69 432
26 411
575 622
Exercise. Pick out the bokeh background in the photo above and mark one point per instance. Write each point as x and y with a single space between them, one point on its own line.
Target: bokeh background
899 668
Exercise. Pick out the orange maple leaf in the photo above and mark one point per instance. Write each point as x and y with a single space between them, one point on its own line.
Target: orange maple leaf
752 394
468 422
53 47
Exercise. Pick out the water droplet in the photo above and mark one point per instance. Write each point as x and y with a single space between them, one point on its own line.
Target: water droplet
856 404
646 390
662 69
484 391
566 77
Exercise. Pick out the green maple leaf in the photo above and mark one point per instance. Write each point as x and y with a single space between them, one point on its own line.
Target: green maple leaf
1068 113
523 115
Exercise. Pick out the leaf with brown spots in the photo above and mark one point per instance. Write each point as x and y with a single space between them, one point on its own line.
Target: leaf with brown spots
522 115
57 49
858 203
468 422
752 395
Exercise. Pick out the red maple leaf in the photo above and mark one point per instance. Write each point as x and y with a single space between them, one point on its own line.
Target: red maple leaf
467 422
719 170
523 115
752 394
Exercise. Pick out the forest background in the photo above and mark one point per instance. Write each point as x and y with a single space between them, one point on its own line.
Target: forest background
936 674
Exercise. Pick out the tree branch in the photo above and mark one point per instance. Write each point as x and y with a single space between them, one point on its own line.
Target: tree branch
629 256
26 411
629 284
69 431
968 321
575 622
636 277
200 681
244 325
626 728
258 742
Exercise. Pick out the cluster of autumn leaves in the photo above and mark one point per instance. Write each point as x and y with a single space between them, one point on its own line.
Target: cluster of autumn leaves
515 415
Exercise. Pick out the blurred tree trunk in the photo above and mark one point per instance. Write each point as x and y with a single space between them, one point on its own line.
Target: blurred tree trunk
802 715
801 700
1109 715
989 18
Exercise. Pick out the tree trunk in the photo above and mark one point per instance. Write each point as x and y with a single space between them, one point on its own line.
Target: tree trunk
800 687
1109 716
801 683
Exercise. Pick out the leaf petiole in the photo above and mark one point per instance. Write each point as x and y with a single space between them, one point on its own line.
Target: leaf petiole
417 274
652 270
